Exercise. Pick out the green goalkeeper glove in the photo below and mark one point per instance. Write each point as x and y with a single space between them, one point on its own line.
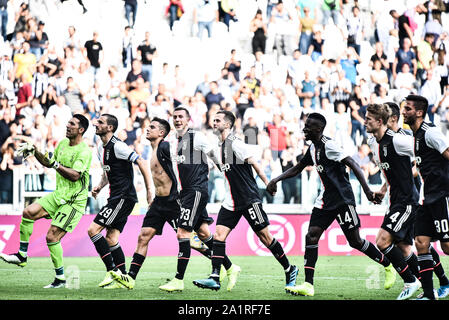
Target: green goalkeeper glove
25 149
49 161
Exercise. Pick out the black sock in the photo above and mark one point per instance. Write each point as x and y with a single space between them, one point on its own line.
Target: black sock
412 261
209 243
372 252
426 271
183 257
278 252
218 253
310 258
102 247
119 257
438 268
397 260
136 264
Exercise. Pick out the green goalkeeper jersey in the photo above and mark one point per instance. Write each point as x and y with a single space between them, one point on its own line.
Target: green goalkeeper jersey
78 157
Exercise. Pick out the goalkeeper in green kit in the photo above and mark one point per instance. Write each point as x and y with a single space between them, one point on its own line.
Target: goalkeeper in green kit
64 206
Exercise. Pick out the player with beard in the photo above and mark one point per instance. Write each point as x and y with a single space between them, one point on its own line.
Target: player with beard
117 160
242 199
410 256
432 159
66 205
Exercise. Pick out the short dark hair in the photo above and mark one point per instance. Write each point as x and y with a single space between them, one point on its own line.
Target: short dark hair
228 115
84 123
319 117
419 102
111 120
164 124
395 110
180 108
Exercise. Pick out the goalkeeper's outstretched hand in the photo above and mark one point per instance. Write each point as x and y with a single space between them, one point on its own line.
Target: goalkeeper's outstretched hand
25 149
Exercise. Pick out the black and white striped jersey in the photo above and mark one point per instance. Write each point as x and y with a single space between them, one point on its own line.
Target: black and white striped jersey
190 161
117 160
429 145
241 186
417 179
164 158
394 155
336 189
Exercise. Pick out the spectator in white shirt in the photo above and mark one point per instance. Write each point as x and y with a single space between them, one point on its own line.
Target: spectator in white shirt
405 81
432 92
60 110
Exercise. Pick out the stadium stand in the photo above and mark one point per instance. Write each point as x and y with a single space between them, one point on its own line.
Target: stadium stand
182 61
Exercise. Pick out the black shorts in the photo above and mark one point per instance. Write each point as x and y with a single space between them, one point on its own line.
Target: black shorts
115 213
399 222
432 220
254 214
193 210
346 216
162 210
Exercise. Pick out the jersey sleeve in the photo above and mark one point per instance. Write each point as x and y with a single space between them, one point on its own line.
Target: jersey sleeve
200 142
403 144
334 151
436 140
123 152
164 148
83 159
242 150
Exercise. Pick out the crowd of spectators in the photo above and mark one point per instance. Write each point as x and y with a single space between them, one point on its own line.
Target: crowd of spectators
300 56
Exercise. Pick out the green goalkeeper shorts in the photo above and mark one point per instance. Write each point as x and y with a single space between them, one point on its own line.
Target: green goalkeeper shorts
63 215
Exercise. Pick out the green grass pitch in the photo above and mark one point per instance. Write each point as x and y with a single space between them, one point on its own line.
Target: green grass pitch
262 278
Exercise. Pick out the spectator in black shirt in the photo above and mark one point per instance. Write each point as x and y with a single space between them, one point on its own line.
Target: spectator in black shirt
146 52
135 73
404 26
93 52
